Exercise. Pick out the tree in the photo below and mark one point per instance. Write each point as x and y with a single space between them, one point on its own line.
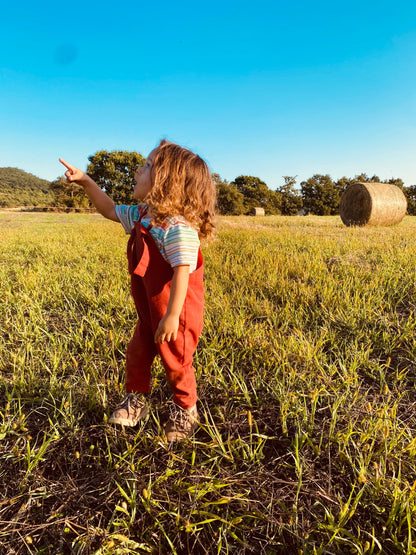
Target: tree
274 205
114 173
291 201
343 183
320 195
398 182
69 194
257 193
363 178
410 194
229 199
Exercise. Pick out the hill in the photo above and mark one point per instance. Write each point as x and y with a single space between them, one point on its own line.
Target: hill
20 188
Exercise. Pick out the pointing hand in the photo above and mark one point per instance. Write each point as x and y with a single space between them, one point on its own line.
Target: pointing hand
73 173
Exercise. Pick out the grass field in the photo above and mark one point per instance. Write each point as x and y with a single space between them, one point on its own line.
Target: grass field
306 372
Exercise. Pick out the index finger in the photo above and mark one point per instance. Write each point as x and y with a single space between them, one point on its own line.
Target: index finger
66 164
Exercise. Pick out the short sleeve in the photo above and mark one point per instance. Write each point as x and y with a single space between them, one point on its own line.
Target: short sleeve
181 245
129 214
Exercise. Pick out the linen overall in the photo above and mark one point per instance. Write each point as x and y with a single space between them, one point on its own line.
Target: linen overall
151 278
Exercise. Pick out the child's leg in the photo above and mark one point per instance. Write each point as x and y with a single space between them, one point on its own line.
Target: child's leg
141 352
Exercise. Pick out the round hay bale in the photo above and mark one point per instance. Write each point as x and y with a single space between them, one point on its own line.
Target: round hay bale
372 204
257 211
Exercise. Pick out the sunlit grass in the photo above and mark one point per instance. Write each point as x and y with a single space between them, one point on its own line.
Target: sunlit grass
306 375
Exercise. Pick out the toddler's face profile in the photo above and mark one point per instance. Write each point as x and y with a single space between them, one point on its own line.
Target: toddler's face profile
143 178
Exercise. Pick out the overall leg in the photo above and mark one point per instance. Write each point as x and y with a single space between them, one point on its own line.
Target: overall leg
140 354
177 358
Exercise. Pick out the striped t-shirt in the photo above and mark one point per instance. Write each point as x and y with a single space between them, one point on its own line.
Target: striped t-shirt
177 242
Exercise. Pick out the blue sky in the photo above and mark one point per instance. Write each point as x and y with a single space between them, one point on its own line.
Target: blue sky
264 88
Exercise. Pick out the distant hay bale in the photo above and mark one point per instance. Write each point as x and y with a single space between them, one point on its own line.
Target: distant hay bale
257 211
372 204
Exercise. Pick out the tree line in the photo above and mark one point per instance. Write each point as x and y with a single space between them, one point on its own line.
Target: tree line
114 172
319 195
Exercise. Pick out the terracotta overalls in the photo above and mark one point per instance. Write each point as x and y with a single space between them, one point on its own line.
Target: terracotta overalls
151 278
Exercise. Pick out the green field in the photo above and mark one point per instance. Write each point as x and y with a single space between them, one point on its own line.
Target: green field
306 372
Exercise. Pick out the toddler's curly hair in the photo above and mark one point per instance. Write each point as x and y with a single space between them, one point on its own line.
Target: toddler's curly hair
182 186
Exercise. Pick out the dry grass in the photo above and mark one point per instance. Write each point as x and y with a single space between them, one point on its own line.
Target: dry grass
306 377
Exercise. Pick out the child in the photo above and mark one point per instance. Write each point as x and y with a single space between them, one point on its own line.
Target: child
176 206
